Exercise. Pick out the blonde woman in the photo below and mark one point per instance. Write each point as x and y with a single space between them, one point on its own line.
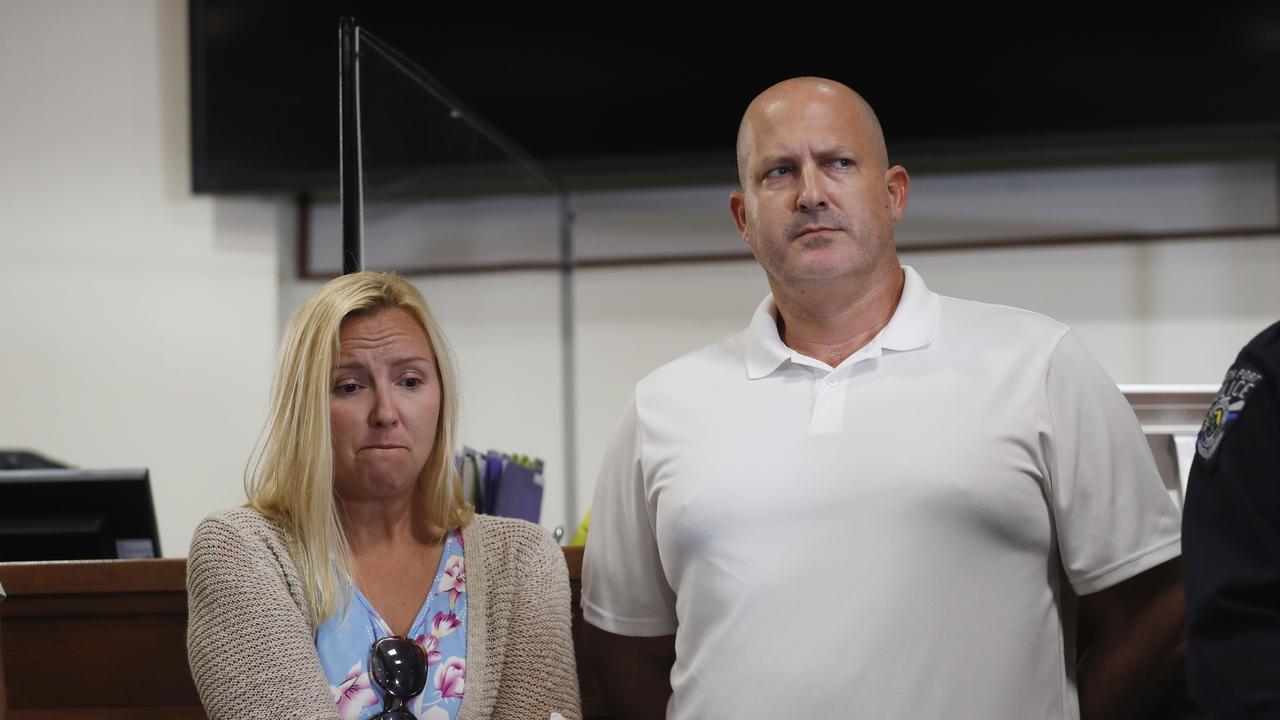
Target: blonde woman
357 582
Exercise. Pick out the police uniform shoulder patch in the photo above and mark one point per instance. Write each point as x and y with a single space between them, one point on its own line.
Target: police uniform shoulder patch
1239 382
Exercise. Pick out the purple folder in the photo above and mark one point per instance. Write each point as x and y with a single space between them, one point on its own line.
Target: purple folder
519 492
489 489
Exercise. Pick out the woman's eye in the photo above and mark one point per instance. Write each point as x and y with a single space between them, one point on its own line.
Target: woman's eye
346 388
412 382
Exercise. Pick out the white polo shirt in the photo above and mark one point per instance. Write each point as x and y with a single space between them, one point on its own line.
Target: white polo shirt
883 539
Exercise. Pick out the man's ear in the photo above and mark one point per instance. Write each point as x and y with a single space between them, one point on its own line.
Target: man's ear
897 186
738 209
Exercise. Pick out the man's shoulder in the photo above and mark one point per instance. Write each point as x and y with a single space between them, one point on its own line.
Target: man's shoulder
1265 346
1257 363
1000 323
713 360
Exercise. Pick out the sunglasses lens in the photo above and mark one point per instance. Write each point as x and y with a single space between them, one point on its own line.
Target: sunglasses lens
399 667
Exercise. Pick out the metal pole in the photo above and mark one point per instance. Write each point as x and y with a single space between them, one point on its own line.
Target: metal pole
351 188
568 373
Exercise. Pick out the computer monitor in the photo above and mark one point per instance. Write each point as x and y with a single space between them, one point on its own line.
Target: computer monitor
71 514
26 460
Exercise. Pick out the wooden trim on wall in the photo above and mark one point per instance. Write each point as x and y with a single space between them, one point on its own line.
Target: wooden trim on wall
1095 239
738 256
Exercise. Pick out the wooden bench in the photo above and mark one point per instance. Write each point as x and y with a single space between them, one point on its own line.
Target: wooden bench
118 628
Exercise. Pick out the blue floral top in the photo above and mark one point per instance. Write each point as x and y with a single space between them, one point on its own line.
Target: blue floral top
343 642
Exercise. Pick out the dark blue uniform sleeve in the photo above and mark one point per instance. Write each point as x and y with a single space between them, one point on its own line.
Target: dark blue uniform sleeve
1231 542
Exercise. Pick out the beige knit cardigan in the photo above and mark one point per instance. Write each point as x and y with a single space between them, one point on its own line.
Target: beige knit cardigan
252 648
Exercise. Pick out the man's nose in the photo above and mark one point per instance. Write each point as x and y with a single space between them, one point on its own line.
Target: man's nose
384 412
812 193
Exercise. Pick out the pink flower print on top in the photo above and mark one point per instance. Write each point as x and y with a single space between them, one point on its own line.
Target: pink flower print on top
441 625
429 643
354 694
454 580
451 677
444 623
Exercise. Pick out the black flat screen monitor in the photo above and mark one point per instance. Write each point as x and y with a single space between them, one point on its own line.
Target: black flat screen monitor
71 514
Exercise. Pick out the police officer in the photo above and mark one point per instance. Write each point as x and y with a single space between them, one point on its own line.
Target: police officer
1231 541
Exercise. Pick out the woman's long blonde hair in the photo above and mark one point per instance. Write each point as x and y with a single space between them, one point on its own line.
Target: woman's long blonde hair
290 477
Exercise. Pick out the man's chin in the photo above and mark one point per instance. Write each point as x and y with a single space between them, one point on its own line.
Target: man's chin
827 266
822 271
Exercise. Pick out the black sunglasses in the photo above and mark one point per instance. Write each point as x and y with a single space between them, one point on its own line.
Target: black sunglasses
399 668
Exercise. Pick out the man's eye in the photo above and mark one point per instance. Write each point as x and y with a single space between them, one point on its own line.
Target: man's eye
842 163
778 171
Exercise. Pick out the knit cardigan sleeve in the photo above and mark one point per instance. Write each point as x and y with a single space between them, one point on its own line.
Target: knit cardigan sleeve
539 675
249 641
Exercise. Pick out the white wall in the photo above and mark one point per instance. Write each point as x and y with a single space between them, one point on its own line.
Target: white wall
137 322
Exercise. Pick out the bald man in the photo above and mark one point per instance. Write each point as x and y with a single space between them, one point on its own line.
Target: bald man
875 501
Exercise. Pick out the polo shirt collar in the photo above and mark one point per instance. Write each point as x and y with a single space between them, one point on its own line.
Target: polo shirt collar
915 319
765 351
912 327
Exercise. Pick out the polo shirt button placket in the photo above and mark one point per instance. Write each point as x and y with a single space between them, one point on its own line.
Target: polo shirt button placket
828 405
